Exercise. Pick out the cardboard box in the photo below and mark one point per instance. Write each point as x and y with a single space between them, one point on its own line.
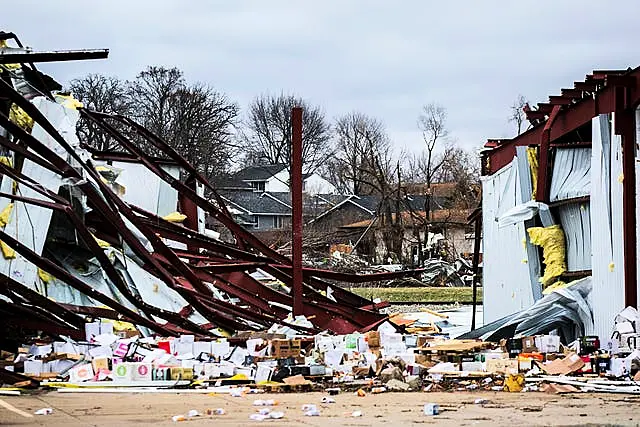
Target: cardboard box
529 345
33 367
502 366
373 339
160 374
547 343
180 373
122 372
569 364
100 363
472 366
81 373
94 329
285 348
141 372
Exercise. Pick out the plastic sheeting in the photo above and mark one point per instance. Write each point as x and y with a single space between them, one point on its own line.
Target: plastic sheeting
571 174
505 261
519 213
576 223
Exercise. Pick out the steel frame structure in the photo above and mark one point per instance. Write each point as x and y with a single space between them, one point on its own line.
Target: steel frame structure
206 262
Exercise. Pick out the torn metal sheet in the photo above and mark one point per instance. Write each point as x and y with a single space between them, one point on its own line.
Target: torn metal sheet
564 309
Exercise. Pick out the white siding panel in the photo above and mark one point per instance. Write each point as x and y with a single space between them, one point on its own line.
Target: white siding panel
571 174
576 224
506 284
607 297
145 189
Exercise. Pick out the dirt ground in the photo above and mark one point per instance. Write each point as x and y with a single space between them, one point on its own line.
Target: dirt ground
457 409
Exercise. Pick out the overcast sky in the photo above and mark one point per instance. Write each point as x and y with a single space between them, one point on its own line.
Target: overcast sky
383 58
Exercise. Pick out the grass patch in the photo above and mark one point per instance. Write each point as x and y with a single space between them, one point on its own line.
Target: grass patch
423 295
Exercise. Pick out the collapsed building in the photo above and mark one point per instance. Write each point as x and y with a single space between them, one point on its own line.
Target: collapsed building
121 235
560 204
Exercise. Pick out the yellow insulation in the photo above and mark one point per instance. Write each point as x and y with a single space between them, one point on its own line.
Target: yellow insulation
551 239
118 325
68 101
556 286
102 243
7 161
44 276
18 116
7 251
3 43
175 217
5 214
532 156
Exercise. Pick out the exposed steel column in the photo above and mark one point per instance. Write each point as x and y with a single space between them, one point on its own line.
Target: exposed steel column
190 209
626 128
296 204
544 174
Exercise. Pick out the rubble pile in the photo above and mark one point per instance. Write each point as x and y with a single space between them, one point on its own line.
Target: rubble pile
281 360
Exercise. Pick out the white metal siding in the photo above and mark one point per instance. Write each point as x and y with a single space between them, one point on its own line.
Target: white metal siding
145 189
607 297
506 284
576 224
571 174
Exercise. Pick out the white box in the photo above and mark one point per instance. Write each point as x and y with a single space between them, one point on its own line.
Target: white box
81 373
40 350
248 372
263 372
65 347
122 372
220 348
141 371
33 367
548 343
472 366
200 347
94 329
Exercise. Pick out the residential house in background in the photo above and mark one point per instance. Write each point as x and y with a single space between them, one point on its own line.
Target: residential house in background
258 197
275 179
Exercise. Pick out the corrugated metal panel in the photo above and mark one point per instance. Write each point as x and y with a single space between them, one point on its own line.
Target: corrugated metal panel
607 296
576 223
506 284
571 174
526 190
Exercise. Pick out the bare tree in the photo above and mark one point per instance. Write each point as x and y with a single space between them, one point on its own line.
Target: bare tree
100 93
433 124
517 114
267 136
359 139
194 119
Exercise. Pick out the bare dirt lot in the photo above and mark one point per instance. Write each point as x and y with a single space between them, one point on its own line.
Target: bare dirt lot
457 409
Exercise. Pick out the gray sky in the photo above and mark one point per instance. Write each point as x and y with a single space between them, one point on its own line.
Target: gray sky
384 58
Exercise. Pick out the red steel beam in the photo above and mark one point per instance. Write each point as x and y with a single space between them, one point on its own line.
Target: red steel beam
569 119
296 205
625 123
542 189
350 278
